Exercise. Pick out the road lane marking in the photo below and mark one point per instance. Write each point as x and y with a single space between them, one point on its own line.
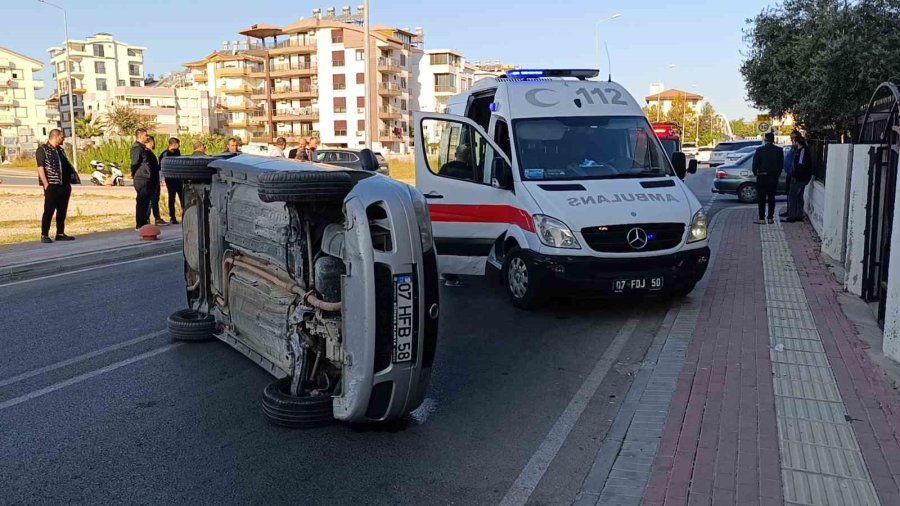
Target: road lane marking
531 475
86 376
87 269
79 358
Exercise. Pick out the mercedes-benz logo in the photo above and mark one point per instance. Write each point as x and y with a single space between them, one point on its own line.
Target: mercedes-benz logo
637 238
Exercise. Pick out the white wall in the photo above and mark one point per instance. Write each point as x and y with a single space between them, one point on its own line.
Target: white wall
892 313
815 201
835 212
856 219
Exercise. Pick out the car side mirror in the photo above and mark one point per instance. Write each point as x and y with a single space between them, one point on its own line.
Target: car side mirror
692 167
679 161
502 173
368 161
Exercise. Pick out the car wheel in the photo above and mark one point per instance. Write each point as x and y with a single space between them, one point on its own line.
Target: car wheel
748 193
298 412
302 187
520 280
190 325
188 168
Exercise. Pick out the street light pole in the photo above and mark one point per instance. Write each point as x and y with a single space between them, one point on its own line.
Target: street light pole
367 77
599 52
68 83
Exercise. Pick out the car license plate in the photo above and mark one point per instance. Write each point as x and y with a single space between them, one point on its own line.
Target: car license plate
404 317
651 284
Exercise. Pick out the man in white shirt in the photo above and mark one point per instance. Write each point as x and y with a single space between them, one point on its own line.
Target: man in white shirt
280 147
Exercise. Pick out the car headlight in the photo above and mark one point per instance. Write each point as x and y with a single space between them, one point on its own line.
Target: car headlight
699 231
555 233
423 218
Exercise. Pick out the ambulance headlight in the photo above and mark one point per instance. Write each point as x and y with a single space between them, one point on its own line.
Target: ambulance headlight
698 228
423 219
555 233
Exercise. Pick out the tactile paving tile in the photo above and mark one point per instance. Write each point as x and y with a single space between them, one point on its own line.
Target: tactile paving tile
820 458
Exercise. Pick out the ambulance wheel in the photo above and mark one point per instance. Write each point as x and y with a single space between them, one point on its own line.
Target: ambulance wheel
520 280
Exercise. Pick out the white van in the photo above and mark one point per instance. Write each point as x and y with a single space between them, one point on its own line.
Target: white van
558 182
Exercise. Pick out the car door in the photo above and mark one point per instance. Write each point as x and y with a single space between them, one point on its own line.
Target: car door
467 181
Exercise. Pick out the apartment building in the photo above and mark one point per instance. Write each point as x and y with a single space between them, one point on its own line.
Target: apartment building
174 110
307 79
661 97
440 74
23 119
98 63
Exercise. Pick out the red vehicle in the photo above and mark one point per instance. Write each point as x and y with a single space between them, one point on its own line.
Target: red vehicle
670 136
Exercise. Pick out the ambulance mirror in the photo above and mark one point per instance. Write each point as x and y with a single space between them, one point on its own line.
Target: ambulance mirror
679 161
692 166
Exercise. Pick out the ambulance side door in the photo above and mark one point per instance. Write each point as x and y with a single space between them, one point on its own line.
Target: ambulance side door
468 183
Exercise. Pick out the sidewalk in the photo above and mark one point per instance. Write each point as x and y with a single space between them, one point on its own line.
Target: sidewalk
776 399
34 259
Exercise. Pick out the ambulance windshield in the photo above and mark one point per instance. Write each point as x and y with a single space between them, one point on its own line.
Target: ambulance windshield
573 148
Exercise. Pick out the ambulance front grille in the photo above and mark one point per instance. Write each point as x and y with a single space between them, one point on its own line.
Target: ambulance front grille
614 238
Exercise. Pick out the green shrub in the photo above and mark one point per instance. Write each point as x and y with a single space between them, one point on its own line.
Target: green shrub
119 150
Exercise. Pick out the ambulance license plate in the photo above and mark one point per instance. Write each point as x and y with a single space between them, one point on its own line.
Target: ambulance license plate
651 284
404 317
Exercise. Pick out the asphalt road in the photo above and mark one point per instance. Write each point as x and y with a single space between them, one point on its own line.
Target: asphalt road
17 178
97 404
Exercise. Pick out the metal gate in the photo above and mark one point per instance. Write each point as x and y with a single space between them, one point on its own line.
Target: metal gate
880 125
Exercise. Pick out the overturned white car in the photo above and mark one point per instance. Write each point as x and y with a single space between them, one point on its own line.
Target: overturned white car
325 277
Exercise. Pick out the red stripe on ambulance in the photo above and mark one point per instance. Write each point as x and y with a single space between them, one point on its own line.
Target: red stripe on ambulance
454 213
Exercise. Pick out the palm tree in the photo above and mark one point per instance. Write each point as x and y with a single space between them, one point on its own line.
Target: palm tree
88 127
124 120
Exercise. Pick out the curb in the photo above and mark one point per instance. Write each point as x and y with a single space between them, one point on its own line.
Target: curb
31 270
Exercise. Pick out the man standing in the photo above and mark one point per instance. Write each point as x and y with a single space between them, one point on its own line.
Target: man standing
155 180
141 173
199 148
311 150
174 187
280 146
301 148
55 173
768 162
233 145
800 177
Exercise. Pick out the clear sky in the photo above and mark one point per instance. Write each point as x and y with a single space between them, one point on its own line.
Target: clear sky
702 38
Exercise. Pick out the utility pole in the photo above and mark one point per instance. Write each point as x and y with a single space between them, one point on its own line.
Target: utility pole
367 77
69 84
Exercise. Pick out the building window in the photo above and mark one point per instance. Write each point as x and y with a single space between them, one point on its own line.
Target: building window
61 66
99 67
403 105
134 69
98 50
360 78
361 125
340 104
17 74
133 52
337 58
101 84
402 60
136 82
21 112
19 93
360 55
337 36
339 81
340 127
121 82
361 104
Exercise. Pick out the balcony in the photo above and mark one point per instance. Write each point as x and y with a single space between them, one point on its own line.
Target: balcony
237 122
232 71
7 120
291 47
450 89
201 77
258 117
389 66
388 136
243 105
280 93
236 90
296 114
38 85
390 112
390 89
7 101
288 69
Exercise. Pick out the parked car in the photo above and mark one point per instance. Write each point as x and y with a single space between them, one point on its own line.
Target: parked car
703 154
717 157
738 179
326 278
690 150
740 153
349 158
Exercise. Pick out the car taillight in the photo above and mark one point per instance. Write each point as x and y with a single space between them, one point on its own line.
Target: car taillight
722 174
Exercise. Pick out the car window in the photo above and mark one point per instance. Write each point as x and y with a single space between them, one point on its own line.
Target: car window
320 156
454 150
352 157
725 146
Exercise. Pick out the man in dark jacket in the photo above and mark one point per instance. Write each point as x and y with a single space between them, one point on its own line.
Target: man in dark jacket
55 173
141 173
768 162
155 180
174 187
800 177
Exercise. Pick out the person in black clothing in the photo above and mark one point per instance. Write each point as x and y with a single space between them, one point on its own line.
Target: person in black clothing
55 173
155 180
174 187
141 173
768 162
800 177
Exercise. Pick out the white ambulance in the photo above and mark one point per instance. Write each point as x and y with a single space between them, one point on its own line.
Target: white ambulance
558 182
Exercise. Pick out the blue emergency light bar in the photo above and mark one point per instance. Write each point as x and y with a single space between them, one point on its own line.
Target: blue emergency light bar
581 74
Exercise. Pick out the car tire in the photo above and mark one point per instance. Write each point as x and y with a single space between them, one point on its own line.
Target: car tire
190 325
520 280
747 193
297 412
304 186
188 168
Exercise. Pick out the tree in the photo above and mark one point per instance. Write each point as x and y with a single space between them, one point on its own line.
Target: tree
821 59
124 120
88 127
744 129
710 129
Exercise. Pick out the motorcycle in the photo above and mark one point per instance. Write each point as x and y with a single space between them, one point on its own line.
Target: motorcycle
100 178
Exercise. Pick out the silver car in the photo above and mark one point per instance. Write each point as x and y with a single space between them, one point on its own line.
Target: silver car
327 279
738 179
351 158
717 157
